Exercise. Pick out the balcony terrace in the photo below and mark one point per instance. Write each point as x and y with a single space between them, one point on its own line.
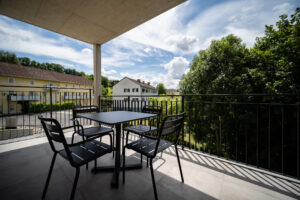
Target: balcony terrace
24 167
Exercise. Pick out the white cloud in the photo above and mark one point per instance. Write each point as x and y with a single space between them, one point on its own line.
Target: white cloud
172 33
108 72
176 67
282 8
14 38
147 50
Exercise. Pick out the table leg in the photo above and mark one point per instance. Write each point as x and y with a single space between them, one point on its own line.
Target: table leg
115 179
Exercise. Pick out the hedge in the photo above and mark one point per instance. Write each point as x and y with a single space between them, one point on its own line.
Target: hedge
43 107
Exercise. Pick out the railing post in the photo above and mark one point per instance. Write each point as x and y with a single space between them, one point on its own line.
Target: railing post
90 96
128 106
99 103
51 104
182 110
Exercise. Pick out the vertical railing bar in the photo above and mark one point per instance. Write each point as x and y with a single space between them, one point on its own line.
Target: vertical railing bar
257 132
182 108
23 111
297 142
282 139
269 137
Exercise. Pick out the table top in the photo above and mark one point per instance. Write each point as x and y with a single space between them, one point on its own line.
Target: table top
116 117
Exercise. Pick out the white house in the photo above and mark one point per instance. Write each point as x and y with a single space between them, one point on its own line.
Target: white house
131 87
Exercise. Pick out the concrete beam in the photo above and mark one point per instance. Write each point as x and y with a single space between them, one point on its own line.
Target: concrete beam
97 73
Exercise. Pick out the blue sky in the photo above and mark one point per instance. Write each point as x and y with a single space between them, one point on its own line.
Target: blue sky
159 50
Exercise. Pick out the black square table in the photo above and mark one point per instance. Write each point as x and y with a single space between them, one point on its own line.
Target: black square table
116 118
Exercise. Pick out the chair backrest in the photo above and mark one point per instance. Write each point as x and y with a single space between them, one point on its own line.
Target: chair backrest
153 110
172 124
84 109
55 133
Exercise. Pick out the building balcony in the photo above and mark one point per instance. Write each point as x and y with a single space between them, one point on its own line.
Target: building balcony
24 98
25 166
77 97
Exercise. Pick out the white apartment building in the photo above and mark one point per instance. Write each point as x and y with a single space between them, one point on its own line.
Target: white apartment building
131 87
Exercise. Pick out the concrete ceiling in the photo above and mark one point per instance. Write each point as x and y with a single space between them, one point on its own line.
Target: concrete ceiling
91 21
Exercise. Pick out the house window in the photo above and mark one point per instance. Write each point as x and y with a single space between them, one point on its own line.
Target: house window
73 85
11 80
132 89
137 89
31 93
31 82
65 93
51 84
78 86
126 90
57 93
11 92
66 85
44 94
143 90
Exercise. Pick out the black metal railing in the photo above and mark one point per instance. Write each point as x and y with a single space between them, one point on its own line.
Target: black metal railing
260 130
21 105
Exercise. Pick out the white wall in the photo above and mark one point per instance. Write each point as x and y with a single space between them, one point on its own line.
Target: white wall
118 89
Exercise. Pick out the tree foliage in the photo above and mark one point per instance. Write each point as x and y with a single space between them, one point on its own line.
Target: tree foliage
161 88
228 66
247 128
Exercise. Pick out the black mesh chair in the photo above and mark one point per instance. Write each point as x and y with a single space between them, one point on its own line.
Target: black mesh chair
77 154
143 129
150 146
94 131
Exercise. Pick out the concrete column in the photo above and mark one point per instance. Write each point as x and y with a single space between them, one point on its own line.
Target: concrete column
97 73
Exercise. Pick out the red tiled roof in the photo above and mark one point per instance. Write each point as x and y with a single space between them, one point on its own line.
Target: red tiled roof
13 70
141 83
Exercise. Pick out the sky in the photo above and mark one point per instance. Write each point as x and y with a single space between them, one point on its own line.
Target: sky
159 50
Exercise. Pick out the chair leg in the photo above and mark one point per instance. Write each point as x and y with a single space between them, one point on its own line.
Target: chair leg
49 175
75 183
141 159
179 164
147 162
73 138
123 157
153 180
95 163
113 143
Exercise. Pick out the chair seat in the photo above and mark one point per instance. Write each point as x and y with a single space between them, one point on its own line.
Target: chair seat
140 129
146 146
86 152
95 131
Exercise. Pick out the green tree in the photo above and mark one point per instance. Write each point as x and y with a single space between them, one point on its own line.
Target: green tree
222 68
24 61
161 88
9 57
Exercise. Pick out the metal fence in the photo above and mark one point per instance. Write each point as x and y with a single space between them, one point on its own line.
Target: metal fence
21 105
260 130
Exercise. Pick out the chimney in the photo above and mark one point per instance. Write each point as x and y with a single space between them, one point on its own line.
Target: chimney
148 83
138 80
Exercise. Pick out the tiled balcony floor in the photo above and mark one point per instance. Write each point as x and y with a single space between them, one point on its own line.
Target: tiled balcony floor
24 166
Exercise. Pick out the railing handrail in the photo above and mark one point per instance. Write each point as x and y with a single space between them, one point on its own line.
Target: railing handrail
213 95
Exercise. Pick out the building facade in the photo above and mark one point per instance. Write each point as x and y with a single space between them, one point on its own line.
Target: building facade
21 86
135 88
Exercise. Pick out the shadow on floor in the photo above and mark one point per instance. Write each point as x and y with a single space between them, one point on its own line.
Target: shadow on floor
23 174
